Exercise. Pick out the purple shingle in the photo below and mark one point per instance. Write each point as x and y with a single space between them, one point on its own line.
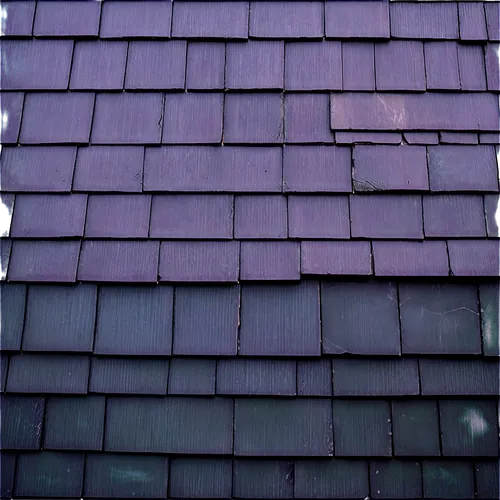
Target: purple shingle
50 118
253 118
260 217
491 207
98 65
368 137
19 18
458 138
474 257
127 118
7 204
118 216
36 64
192 216
424 20
492 12
313 66
286 19
472 21
306 118
209 169
67 18
43 261
5 247
450 168
422 137
121 261
199 261
357 19
270 260
205 65
471 66
399 65
50 216
11 107
193 118
490 138
136 19
358 66
316 168
410 258
318 217
335 257
37 168
386 216
156 65
210 20
441 66
389 168
493 66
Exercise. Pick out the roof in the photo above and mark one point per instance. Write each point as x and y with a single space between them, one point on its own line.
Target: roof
249 249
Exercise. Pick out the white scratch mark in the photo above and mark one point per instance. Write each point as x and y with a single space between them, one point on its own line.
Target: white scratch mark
475 422
397 116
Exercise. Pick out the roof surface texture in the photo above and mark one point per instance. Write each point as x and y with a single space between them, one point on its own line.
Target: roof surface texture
249 250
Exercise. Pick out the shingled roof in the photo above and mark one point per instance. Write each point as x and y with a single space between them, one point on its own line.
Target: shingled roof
250 249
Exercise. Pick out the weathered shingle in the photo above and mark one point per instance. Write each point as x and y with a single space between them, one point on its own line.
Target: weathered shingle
448 479
395 479
18 20
205 65
22 422
441 66
192 376
12 108
261 217
464 259
471 66
358 66
472 21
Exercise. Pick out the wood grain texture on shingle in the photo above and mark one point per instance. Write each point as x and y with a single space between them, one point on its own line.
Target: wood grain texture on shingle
461 482
205 65
18 19
22 421
358 66
12 108
397 478
492 22
474 257
472 21
458 138
492 51
192 376
260 217
491 204
441 66
369 138
12 321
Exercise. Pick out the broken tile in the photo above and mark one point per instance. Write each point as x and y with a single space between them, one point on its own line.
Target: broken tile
464 257
487 479
314 378
123 311
260 216
358 66
368 138
205 65
458 138
13 303
131 261
18 18
441 66
22 422
447 479
395 479
421 137
492 22
492 70
472 21
11 109
206 320
490 305
192 376
472 67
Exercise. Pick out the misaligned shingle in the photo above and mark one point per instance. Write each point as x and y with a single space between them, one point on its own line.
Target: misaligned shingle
472 21
447 479
260 216
441 65
19 18
489 303
464 259
471 65
12 108
13 299
205 65
358 66
192 376
395 479
314 378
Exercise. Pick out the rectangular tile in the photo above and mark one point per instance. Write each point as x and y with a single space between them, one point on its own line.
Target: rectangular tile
260 216
490 305
492 58
458 138
472 21
441 66
489 138
460 484
421 137
19 18
369 138
492 22
13 302
22 422
396 479
487 479
205 65
192 376
464 261
8 472
358 66
12 107
314 377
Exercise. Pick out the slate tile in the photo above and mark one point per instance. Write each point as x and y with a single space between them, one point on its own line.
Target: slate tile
22 422
75 423
210 20
424 20
492 22
410 258
13 301
5 247
7 207
464 257
469 428
49 215
262 479
118 476
209 169
306 118
128 376
193 118
98 65
61 373
492 57
489 138
459 377
386 216
118 216
335 258
49 118
37 168
313 66
123 311
280 320
281 427
109 168
395 479
490 305
358 65
192 376
50 474
36 261
399 65
375 377
472 21
36 64
421 137
4 364
360 318
255 65
487 479
368 138
260 216
458 138
19 18
441 66
256 377
7 473
385 168
75 19
450 167
121 261
362 428
205 65
446 479
316 169
136 20
471 66
60 318
11 107
206 320
253 118
318 216
199 261
170 425
286 20
314 377
127 118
